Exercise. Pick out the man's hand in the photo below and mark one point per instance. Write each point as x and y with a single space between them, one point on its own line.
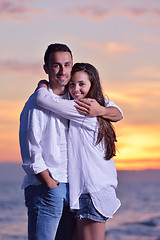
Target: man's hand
45 178
89 107
92 108
43 83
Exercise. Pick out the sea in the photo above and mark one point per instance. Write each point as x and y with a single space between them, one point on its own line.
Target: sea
138 218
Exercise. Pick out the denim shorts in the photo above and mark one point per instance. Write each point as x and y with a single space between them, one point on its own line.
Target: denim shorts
87 209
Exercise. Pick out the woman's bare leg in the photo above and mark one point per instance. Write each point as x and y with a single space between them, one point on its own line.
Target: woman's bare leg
75 233
90 230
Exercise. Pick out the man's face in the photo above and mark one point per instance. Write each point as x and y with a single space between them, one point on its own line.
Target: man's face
59 68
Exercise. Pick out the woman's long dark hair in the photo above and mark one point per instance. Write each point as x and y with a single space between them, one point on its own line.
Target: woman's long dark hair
106 131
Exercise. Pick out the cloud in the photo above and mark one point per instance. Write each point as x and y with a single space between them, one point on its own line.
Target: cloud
136 94
18 11
112 48
104 10
107 48
20 79
93 12
135 11
147 72
117 48
139 100
7 66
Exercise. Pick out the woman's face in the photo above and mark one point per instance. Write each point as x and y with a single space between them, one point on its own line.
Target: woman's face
79 85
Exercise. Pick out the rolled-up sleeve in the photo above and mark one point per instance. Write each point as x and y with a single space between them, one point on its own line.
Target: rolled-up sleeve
31 127
112 104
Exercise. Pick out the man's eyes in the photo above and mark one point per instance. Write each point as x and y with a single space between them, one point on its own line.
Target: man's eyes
58 65
55 65
67 64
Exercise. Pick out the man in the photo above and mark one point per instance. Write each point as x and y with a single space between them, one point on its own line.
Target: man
43 142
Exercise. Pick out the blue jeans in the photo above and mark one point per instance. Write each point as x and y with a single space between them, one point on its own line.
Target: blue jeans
49 216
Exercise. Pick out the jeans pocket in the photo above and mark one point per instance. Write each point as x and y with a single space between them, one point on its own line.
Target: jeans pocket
32 196
50 194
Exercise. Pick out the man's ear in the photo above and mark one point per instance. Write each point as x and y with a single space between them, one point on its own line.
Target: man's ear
45 68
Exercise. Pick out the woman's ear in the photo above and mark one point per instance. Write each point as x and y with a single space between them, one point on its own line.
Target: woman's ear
45 68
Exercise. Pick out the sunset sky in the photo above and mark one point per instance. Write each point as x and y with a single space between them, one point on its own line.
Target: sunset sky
121 38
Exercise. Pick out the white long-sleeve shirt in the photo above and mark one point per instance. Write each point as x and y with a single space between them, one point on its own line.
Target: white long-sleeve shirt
87 168
43 142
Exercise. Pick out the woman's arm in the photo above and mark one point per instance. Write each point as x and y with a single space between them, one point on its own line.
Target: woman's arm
91 108
62 107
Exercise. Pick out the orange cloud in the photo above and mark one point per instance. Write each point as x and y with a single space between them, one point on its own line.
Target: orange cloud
137 109
147 72
112 48
20 79
117 48
137 92
20 67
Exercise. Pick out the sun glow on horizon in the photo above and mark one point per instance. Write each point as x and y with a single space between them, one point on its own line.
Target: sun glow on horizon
138 146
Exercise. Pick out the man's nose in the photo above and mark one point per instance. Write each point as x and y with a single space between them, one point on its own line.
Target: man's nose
61 70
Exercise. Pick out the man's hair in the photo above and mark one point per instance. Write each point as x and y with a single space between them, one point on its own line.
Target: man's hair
56 47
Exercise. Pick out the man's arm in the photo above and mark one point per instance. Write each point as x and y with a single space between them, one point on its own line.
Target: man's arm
92 108
35 134
30 134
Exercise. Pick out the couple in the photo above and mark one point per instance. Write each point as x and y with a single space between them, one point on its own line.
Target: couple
67 147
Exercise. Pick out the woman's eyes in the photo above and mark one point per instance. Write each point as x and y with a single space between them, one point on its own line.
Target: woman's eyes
73 84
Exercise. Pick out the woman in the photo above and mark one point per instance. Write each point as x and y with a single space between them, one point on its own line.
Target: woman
91 146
